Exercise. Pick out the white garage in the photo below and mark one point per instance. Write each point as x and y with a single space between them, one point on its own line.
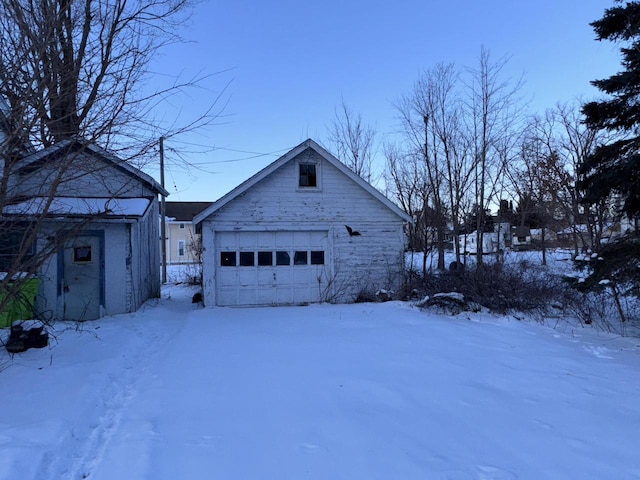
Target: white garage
271 268
304 229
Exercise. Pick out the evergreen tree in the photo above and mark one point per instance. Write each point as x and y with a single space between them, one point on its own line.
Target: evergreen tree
613 169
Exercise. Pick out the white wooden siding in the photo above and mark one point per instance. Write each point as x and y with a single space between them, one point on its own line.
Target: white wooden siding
278 198
369 262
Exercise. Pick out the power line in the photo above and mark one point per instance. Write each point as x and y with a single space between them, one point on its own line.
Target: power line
226 149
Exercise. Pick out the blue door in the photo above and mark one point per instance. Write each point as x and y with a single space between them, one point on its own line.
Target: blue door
82 275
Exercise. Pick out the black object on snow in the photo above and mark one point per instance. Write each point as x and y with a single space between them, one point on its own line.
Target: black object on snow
21 340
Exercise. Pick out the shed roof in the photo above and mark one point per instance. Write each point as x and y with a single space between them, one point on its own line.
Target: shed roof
287 157
79 207
72 145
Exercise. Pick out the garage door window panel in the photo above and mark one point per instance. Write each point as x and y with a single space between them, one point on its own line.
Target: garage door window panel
228 259
265 259
300 258
317 258
247 259
283 258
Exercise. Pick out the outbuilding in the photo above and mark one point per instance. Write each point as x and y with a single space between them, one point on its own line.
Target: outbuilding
304 229
98 216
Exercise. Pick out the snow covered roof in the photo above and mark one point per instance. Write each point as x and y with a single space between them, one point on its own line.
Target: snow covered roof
294 152
77 206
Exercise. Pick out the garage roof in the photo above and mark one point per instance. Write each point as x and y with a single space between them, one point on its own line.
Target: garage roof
294 152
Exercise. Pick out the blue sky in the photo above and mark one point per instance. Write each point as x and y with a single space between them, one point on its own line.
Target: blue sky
286 65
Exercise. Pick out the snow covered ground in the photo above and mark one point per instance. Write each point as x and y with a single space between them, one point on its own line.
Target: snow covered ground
559 260
363 391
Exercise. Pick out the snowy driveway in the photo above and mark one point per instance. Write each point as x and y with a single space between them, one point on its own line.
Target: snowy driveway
321 392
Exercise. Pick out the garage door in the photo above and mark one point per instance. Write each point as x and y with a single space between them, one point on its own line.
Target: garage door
271 268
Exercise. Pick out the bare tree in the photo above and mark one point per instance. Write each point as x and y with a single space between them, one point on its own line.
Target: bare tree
404 184
561 142
494 111
537 179
420 121
577 142
78 69
73 71
353 141
434 126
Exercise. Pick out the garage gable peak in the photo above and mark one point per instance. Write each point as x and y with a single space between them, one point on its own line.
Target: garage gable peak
307 178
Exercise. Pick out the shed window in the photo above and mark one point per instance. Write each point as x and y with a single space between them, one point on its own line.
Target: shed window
228 259
12 239
82 254
265 259
317 258
308 176
300 258
247 259
283 258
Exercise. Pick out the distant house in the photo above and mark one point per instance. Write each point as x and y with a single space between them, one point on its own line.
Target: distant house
492 242
520 237
304 229
100 215
550 236
183 244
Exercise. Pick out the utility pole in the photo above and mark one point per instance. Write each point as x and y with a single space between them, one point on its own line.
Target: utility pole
163 214
425 230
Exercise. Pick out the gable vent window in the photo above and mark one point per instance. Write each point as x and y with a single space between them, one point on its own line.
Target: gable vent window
308 177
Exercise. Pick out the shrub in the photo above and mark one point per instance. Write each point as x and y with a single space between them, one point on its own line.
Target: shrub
500 288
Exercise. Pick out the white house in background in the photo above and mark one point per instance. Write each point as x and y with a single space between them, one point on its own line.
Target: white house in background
520 237
549 235
182 241
304 229
104 218
492 242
